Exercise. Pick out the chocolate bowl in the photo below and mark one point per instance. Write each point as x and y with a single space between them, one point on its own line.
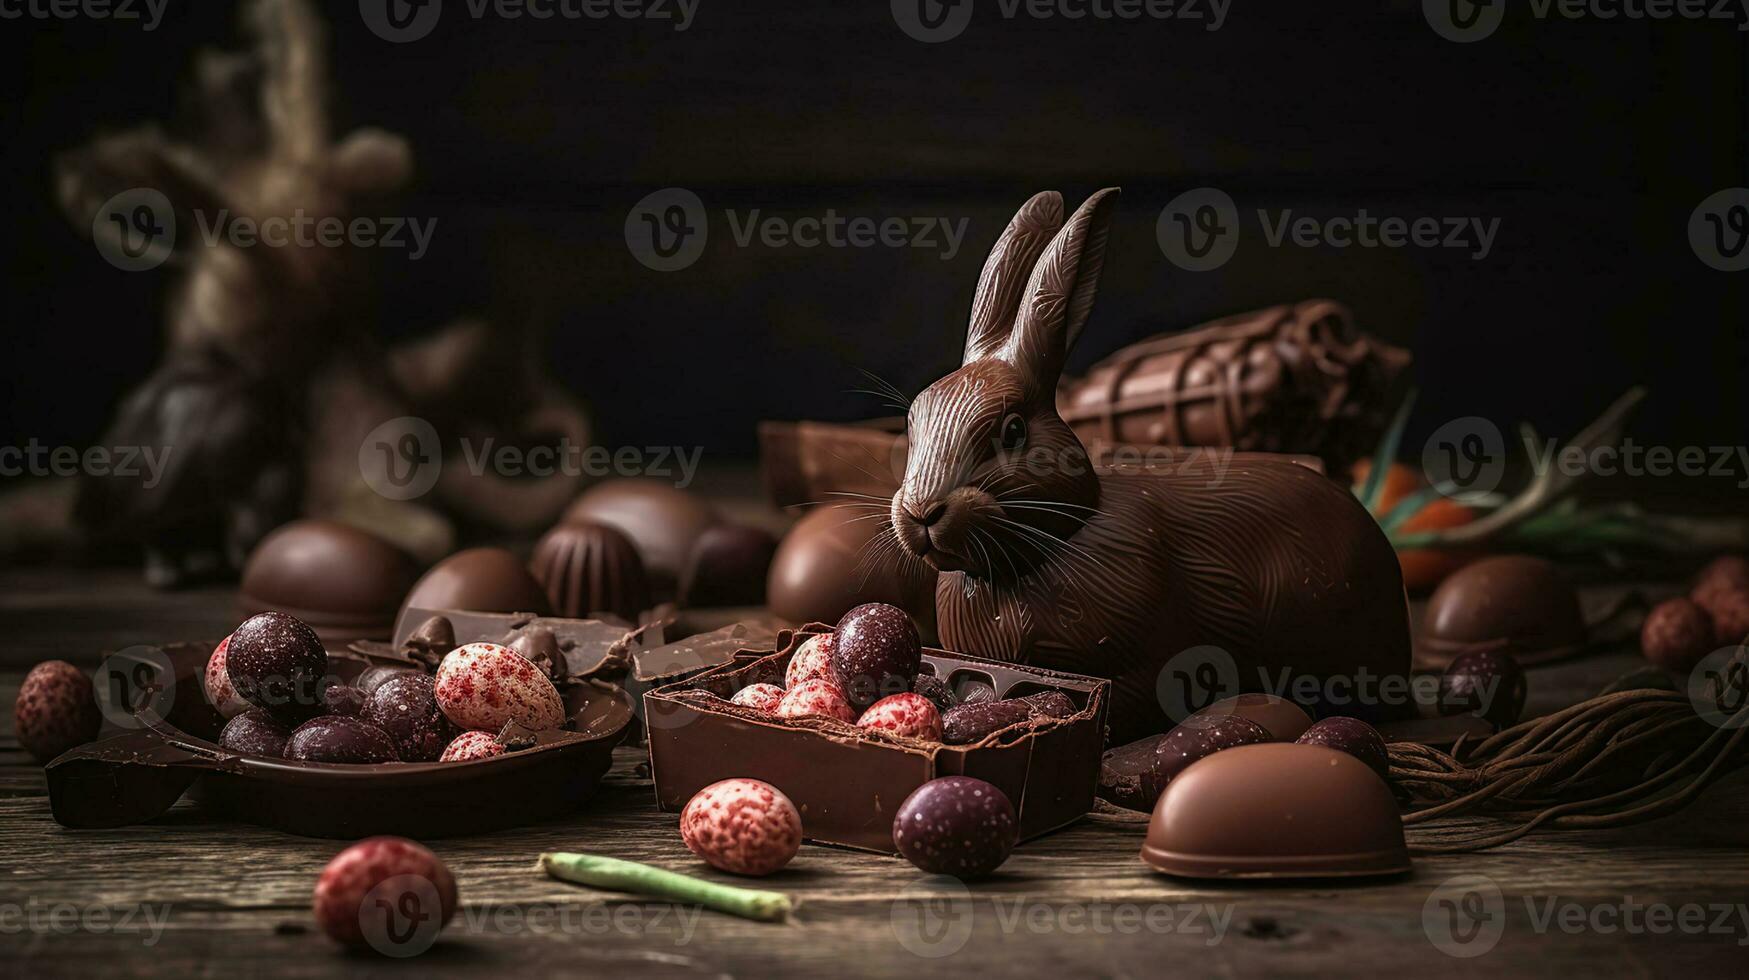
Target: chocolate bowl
136 776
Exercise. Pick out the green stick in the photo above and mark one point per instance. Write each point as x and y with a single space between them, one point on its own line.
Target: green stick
630 876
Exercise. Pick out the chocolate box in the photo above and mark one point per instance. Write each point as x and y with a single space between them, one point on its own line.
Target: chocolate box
847 782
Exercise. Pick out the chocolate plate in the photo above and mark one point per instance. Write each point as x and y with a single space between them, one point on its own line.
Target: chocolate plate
848 782
136 775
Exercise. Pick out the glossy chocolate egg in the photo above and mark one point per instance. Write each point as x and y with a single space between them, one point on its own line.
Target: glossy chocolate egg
1515 604
255 732
1484 683
830 563
876 652
664 522
587 568
345 583
337 738
480 579
277 663
728 566
956 825
1283 719
405 708
1277 810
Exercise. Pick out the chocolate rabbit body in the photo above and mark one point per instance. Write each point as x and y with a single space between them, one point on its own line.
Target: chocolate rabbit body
1048 563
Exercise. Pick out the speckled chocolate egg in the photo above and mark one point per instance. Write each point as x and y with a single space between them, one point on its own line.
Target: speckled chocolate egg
276 663
469 746
907 714
217 684
1198 738
406 708
337 738
936 690
385 893
970 722
341 699
742 826
484 685
1485 683
1677 634
812 659
876 652
956 825
255 732
55 711
759 697
815 698
1353 736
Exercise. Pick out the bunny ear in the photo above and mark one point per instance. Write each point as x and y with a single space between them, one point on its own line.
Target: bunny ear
1011 259
1060 293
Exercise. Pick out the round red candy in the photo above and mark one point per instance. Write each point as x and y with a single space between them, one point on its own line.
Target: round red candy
55 711
219 691
908 714
387 893
812 659
742 826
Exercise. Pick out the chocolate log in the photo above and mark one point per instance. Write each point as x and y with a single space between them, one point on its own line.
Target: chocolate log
1298 378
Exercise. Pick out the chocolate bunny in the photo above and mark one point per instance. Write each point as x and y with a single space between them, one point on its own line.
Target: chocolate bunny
1049 563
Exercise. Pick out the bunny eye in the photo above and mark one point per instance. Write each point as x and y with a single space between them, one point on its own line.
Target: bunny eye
1013 432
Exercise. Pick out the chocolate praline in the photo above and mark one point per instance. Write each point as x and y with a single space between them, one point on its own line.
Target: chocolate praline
255 732
345 583
277 663
587 567
405 707
481 579
663 521
1353 736
1485 683
728 566
1515 604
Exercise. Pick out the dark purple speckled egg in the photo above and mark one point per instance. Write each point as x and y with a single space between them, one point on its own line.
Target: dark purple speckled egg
406 708
1196 739
876 652
277 663
255 732
956 825
337 738
1353 736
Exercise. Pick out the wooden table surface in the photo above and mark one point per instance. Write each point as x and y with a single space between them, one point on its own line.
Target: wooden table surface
191 895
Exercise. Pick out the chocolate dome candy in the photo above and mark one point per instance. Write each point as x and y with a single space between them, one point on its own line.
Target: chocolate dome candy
1277 810
589 568
829 563
480 579
337 738
343 582
255 732
1353 736
956 825
728 567
1283 719
876 652
277 663
405 708
1516 604
664 522
1484 683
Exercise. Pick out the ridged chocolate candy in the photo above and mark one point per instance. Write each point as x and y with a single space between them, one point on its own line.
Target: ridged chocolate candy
587 567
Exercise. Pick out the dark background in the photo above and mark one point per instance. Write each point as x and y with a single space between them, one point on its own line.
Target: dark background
1591 141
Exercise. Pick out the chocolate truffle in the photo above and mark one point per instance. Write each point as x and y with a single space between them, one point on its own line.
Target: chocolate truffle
664 522
587 568
1486 683
344 582
1353 736
830 562
1517 604
480 579
1277 810
1677 634
277 663
728 567
255 732
337 738
405 707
